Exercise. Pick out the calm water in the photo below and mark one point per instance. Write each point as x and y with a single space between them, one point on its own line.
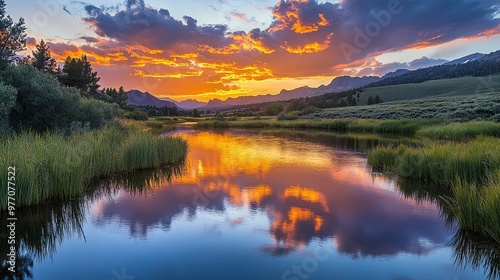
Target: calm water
246 205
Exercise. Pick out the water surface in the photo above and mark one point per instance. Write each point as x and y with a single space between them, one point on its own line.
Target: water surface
247 205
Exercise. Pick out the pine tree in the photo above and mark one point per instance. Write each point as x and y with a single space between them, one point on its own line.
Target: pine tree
370 100
43 60
77 72
12 37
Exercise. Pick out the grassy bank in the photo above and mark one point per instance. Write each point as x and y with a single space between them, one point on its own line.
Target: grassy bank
461 131
52 167
471 169
340 125
485 106
443 88
443 163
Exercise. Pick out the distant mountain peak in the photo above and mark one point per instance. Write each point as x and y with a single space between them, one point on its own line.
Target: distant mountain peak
466 59
396 73
139 98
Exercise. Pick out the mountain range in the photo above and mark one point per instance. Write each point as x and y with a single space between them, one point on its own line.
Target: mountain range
188 104
338 84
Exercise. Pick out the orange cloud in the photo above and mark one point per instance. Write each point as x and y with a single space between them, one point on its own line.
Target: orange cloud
291 19
310 48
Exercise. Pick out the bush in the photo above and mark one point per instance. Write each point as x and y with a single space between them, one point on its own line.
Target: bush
42 104
7 101
288 116
274 109
137 115
309 110
95 112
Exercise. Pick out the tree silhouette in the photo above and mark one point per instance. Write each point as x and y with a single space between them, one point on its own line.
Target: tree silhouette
42 58
77 72
370 100
12 37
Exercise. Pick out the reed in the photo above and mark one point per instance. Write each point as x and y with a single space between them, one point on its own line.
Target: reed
55 167
461 131
476 208
340 125
443 163
470 169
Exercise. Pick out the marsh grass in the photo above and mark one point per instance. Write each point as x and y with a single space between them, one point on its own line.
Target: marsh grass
476 208
54 167
154 124
470 169
461 131
339 125
443 163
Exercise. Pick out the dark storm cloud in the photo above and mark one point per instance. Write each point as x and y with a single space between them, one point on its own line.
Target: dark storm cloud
350 30
143 25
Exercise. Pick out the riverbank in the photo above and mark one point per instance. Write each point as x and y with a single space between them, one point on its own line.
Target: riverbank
406 127
56 167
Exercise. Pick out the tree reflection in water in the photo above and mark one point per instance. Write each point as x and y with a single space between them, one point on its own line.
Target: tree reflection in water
41 228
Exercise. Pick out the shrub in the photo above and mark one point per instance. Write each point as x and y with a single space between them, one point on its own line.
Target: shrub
288 116
7 101
42 104
274 109
137 115
95 112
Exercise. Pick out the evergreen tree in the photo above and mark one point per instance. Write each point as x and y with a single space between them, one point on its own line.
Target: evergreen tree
195 113
42 58
377 99
77 72
370 100
12 37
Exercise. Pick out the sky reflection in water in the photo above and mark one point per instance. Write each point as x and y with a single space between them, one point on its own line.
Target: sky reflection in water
251 206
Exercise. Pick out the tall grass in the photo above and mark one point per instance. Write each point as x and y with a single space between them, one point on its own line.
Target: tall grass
442 163
471 170
477 208
53 167
461 131
340 125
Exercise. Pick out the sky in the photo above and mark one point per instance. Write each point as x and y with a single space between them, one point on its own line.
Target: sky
202 49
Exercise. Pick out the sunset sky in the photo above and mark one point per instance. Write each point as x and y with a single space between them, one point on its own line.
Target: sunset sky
227 48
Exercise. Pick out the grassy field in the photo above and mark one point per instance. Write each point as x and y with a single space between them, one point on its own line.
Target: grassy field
438 88
463 108
53 167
